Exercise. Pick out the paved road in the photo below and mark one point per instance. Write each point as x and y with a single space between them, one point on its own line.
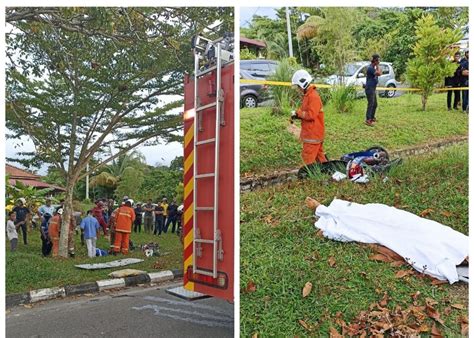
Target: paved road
136 312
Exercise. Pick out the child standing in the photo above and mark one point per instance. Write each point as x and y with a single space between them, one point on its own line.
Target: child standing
12 231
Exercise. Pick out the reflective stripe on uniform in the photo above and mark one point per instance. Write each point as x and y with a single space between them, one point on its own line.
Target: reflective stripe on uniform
125 214
123 231
315 141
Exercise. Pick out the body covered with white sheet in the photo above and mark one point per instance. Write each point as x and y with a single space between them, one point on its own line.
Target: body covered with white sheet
428 246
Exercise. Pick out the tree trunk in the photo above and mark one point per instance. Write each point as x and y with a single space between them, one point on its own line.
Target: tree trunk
66 219
424 99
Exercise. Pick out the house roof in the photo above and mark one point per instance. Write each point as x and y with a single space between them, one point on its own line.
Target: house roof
257 43
27 178
15 172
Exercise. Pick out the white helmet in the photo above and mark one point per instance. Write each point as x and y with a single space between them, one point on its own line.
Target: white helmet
22 200
60 211
301 78
130 200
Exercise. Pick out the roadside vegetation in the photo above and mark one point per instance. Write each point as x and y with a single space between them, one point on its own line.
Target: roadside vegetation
266 145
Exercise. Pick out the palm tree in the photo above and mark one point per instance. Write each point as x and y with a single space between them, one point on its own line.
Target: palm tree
111 174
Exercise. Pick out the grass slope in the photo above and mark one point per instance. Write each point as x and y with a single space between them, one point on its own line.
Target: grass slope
280 251
27 269
266 145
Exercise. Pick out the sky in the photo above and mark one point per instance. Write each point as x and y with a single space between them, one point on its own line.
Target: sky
157 154
246 14
162 153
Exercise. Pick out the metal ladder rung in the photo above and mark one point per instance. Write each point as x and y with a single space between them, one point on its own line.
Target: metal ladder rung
203 272
207 106
198 143
204 72
205 175
204 208
200 240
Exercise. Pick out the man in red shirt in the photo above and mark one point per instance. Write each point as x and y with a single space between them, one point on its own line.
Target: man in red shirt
98 213
312 119
125 216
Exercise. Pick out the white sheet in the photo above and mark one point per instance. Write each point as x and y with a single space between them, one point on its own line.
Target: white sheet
428 246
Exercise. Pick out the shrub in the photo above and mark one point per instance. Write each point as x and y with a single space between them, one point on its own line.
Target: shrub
343 98
286 98
246 54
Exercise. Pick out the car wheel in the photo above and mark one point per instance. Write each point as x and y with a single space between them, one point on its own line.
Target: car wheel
250 101
390 93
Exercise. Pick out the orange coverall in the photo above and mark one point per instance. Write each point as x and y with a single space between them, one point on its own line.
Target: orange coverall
123 228
53 231
312 127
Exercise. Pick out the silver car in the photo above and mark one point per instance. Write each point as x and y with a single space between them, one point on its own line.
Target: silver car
355 74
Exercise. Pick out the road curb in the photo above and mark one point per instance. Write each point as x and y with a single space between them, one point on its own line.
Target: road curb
252 183
38 295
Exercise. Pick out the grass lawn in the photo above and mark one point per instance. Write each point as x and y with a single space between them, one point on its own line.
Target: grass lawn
280 250
266 145
27 269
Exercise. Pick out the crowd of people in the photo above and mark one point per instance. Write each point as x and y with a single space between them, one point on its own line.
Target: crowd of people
460 79
115 222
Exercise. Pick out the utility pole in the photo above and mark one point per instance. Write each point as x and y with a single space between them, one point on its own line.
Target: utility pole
290 41
87 181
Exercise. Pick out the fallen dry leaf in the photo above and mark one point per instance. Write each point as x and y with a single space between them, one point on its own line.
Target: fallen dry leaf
380 257
435 332
434 314
424 328
320 234
333 333
458 306
307 289
331 261
27 306
426 212
251 287
304 324
415 295
431 301
446 213
397 264
464 325
384 301
438 282
403 273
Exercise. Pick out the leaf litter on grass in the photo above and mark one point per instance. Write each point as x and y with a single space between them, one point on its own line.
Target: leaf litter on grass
302 252
379 319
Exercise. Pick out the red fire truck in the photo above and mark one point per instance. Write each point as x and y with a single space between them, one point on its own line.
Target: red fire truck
208 228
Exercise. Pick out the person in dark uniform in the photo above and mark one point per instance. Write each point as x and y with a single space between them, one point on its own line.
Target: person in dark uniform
454 82
465 81
372 79
137 225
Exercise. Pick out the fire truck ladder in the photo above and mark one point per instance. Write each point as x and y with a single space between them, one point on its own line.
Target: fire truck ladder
216 241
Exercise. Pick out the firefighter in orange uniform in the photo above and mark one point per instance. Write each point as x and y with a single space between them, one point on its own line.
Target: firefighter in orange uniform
312 119
123 227
54 229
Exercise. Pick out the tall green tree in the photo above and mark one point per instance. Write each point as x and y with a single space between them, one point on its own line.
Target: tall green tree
130 183
331 35
79 80
432 52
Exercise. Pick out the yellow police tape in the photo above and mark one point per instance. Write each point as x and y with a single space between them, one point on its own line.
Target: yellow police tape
320 85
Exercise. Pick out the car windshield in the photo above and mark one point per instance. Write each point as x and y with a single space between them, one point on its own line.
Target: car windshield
350 69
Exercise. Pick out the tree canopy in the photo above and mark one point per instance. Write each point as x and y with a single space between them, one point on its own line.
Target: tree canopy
82 79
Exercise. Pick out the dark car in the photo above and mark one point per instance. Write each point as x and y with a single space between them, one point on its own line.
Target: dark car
260 69
251 94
